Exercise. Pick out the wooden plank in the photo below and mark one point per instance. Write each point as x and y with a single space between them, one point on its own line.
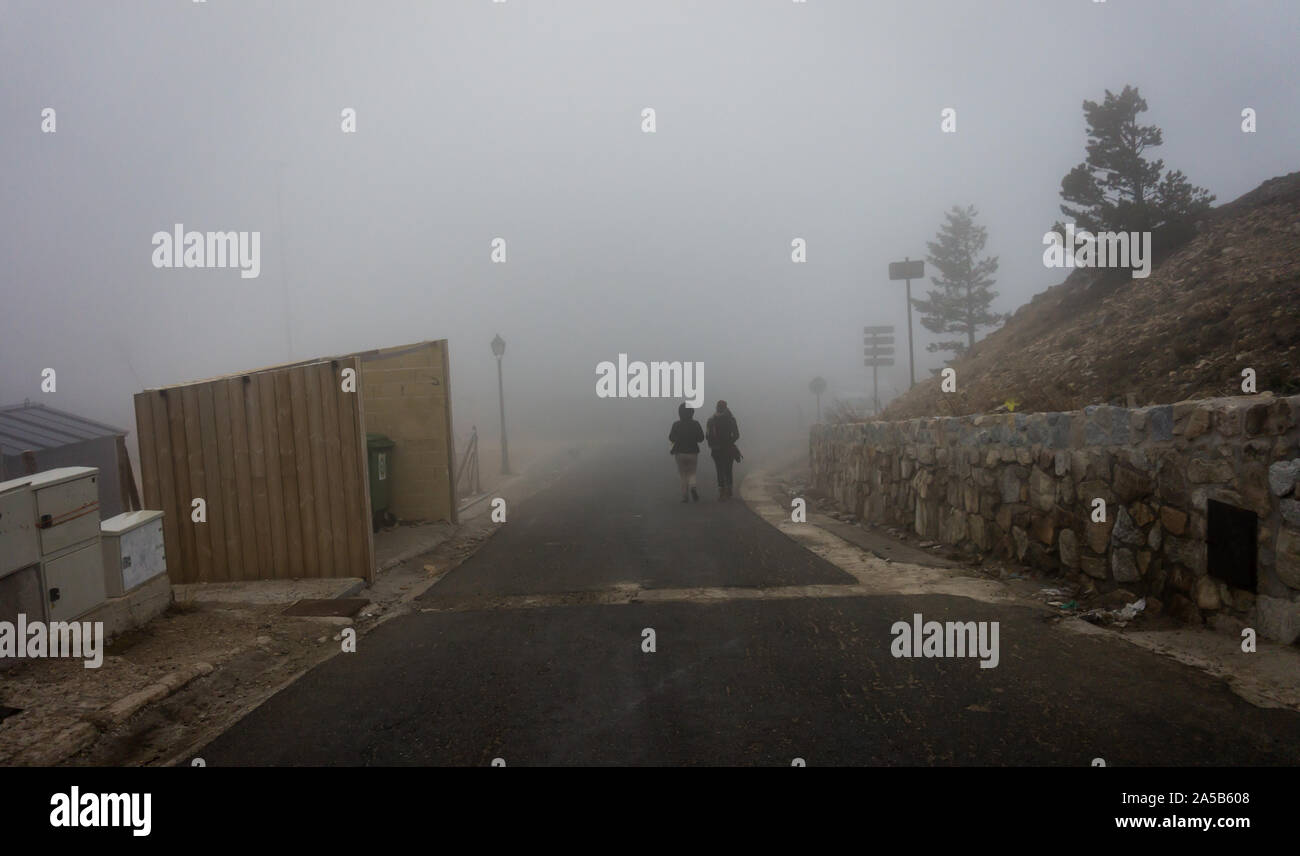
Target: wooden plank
284 429
447 426
406 396
257 470
148 451
330 392
306 481
166 478
229 481
180 463
243 476
198 483
213 494
358 517
265 382
319 476
126 476
364 493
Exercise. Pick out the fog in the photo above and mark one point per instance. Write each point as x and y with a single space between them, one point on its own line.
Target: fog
522 120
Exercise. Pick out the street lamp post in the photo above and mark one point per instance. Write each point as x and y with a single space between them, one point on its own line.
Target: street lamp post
499 349
818 386
908 270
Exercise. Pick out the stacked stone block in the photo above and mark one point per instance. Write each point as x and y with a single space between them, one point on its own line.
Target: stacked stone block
1022 486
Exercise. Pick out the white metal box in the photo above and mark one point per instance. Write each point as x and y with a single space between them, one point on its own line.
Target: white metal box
67 506
74 581
20 544
133 550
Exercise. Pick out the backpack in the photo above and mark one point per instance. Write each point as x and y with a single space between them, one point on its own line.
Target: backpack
722 430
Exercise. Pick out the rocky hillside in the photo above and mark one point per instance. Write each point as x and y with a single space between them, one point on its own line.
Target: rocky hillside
1227 300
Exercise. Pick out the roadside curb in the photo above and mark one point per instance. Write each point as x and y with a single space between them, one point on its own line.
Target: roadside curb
125 707
82 735
412 552
874 574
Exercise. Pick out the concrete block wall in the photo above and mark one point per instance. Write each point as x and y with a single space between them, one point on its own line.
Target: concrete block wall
1022 485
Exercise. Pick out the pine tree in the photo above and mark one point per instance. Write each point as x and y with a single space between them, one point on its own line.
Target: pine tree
961 302
1116 188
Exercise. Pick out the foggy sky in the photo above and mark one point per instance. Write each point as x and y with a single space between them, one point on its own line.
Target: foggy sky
521 120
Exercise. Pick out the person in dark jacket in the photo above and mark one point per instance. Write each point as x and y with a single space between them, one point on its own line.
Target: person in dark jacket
722 433
685 436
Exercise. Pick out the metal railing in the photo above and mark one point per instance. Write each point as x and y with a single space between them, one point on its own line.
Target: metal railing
467 474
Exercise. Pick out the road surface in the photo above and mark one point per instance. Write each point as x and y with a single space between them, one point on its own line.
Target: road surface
531 651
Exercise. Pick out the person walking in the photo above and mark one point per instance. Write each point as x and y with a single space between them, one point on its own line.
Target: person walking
722 433
685 436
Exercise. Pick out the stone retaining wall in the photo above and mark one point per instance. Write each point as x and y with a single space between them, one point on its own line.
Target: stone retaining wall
1023 485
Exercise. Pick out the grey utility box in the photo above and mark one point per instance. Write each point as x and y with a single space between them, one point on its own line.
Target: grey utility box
74 581
20 540
133 550
62 506
67 507
21 590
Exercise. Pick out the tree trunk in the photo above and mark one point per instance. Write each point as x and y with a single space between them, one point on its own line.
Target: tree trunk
970 322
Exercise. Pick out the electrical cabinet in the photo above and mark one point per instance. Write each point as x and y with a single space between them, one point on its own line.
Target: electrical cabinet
61 508
74 581
133 550
20 542
22 593
67 506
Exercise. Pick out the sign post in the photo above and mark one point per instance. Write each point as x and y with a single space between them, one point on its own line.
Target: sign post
878 350
908 270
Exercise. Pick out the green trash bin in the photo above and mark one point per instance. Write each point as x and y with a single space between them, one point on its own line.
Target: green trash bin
379 461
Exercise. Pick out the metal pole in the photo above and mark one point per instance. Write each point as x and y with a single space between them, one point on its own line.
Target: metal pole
875 390
501 394
911 360
478 486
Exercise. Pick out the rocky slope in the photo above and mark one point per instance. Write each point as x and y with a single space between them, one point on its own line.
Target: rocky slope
1227 300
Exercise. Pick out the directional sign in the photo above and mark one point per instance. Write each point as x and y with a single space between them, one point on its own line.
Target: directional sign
907 270
878 361
878 340
889 328
878 352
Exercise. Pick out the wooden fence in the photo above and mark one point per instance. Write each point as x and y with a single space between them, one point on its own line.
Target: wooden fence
407 397
278 456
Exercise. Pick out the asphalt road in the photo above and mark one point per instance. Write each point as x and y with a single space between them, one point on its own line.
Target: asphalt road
564 679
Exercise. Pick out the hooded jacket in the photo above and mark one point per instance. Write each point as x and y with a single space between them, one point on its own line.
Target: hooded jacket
686 433
723 433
